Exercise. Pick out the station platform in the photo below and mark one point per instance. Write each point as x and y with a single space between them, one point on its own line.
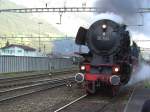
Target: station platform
137 100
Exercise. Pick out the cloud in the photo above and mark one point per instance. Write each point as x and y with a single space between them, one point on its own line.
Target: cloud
141 75
125 8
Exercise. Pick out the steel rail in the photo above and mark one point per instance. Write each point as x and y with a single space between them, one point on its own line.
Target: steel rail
8 80
28 81
27 90
72 102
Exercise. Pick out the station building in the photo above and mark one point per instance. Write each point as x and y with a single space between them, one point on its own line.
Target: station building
19 50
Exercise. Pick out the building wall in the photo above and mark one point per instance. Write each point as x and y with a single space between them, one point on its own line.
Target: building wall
16 51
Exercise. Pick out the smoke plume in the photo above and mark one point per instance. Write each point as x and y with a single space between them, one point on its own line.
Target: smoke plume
141 75
125 8
110 16
127 11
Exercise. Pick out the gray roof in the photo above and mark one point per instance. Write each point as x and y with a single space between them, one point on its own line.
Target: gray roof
27 48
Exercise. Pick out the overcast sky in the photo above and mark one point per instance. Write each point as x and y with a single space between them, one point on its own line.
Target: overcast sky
72 21
53 3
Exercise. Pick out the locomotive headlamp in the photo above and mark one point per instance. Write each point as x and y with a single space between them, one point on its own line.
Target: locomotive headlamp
116 69
82 67
104 26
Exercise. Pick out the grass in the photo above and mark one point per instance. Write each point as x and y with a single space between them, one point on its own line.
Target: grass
24 25
147 84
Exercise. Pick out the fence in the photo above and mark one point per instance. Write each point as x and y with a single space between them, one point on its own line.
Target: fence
25 64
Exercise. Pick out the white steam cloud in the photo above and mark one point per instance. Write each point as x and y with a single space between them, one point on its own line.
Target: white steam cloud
125 11
141 75
125 8
108 15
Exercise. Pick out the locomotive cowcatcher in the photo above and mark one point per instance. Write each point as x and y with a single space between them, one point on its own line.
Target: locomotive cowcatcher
111 57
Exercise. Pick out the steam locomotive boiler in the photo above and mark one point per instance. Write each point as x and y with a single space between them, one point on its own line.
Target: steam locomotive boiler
111 58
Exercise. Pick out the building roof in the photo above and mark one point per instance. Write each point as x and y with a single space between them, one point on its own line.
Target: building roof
27 48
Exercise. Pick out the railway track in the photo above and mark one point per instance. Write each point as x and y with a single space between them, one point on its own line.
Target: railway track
27 80
117 102
82 104
95 103
67 105
30 89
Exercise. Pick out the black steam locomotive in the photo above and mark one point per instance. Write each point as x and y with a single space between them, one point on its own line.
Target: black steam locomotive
111 57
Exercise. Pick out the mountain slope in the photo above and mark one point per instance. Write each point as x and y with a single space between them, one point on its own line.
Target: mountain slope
23 24
12 24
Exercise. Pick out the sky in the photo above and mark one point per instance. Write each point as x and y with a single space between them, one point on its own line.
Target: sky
72 21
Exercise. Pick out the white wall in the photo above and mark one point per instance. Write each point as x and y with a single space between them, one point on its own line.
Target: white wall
16 51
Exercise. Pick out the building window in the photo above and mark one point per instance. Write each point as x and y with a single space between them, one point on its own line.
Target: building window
13 51
19 51
10 51
6 51
3 51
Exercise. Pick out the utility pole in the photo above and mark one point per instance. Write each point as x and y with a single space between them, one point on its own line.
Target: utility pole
44 49
40 35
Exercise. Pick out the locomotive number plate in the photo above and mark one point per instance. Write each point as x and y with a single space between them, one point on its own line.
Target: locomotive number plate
103 38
